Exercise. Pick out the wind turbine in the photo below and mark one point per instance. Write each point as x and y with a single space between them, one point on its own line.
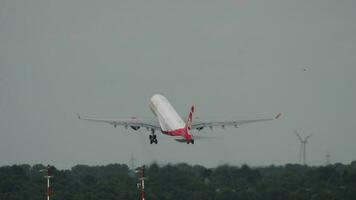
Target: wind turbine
303 144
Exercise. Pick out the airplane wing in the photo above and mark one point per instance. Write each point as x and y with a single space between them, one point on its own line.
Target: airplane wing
199 125
133 123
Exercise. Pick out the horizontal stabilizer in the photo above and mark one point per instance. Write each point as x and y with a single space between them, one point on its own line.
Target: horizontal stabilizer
278 116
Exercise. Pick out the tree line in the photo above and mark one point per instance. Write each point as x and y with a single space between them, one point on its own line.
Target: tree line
182 181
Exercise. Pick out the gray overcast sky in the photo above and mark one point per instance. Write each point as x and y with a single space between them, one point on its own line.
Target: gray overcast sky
233 59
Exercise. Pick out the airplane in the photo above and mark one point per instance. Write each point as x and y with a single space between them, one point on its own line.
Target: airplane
169 122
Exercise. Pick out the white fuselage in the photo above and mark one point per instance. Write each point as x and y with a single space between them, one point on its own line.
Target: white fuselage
168 118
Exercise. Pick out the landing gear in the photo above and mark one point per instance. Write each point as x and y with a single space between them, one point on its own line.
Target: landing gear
153 139
191 141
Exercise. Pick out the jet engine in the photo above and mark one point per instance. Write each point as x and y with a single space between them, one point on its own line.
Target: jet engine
135 127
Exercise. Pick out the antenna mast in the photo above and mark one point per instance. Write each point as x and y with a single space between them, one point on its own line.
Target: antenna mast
141 184
132 163
48 176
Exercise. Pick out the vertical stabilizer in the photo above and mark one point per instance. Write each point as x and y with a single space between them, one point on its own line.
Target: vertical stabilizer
190 118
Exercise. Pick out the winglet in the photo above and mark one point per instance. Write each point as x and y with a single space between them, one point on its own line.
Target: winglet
278 116
78 116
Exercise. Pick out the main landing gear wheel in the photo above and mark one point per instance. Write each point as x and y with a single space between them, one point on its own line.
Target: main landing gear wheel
191 141
153 139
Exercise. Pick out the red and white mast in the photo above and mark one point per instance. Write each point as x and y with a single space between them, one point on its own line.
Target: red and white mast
142 184
48 176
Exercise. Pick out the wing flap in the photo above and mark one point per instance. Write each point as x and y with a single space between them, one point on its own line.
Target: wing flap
151 124
236 123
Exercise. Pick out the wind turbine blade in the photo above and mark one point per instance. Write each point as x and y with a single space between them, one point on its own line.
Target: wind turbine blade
300 138
306 139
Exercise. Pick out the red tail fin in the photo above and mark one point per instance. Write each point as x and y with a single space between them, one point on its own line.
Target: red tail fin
190 118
